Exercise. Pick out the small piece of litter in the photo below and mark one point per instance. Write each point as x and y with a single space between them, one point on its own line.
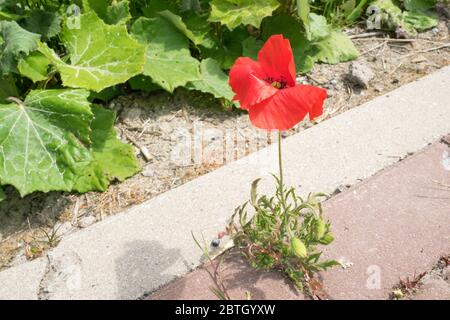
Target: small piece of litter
344 263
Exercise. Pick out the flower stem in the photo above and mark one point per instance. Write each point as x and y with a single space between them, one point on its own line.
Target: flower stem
280 160
281 186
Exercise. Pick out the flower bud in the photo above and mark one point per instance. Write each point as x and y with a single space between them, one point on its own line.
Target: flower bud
299 248
319 229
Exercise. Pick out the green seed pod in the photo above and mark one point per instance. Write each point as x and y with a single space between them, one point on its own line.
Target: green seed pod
320 229
299 248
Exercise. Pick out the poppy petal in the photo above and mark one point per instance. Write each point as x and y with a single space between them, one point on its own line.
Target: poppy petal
288 107
247 82
277 61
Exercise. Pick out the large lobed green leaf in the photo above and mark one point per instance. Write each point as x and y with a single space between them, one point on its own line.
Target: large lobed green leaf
110 158
40 148
101 55
213 80
194 27
169 61
34 67
303 10
45 23
335 48
15 43
55 141
111 11
233 13
251 47
317 27
420 21
228 49
152 9
322 44
419 5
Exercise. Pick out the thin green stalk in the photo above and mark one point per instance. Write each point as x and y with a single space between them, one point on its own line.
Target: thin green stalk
280 160
281 185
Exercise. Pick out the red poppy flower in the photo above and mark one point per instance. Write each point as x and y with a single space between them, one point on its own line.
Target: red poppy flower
267 88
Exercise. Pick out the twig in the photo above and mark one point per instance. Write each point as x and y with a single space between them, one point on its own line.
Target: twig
144 127
445 45
88 200
374 48
389 40
75 212
430 197
396 68
175 114
147 155
367 35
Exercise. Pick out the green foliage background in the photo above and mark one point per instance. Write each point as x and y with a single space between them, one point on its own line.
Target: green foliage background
71 54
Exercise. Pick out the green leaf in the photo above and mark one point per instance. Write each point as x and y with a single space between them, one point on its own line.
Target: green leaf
251 47
191 5
45 23
389 16
254 192
41 140
419 21
169 62
153 8
354 12
34 67
318 28
303 10
290 28
10 10
110 11
108 93
144 83
327 239
233 13
2 195
195 28
213 80
334 49
419 5
9 16
7 88
228 49
101 55
15 44
111 158
328 264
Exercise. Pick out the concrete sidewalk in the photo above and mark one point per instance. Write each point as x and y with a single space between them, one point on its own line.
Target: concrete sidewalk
388 227
149 245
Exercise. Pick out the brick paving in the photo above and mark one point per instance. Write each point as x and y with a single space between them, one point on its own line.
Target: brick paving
387 227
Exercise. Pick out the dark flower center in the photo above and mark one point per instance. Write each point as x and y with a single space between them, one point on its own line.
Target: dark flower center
280 83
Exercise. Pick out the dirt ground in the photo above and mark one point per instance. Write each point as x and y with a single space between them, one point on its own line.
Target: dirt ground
179 137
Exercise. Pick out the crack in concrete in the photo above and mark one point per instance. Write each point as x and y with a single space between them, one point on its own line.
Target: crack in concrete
62 275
